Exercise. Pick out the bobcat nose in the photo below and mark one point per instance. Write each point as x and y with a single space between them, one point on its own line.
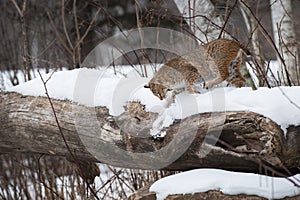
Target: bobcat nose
160 97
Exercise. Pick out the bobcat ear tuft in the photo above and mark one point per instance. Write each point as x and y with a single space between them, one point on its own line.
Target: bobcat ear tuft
146 86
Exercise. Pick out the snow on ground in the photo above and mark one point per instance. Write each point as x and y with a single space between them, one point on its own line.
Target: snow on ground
202 180
101 87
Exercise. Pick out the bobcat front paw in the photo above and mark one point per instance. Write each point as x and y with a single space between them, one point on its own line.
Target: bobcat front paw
206 86
192 90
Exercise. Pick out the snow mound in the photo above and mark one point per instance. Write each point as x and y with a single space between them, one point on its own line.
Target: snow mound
202 180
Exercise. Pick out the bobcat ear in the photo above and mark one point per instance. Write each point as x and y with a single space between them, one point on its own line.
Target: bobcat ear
146 86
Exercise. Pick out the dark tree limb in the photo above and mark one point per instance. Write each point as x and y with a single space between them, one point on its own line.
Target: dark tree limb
239 141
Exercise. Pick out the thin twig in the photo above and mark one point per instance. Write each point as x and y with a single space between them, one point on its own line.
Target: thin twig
64 24
55 116
227 18
43 182
206 18
139 27
62 135
17 7
58 35
89 27
288 98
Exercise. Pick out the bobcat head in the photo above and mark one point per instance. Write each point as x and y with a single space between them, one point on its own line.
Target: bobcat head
158 90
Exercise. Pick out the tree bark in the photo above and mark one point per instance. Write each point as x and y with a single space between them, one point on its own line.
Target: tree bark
244 141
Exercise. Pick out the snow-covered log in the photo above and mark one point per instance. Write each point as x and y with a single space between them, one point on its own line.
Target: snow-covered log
247 141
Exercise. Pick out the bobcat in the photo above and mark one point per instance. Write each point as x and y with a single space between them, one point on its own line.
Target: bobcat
221 57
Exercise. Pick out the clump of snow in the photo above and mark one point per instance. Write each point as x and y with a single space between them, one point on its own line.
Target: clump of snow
59 85
114 88
7 77
202 180
164 118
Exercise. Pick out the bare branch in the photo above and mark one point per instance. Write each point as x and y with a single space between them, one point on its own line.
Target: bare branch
227 18
24 6
73 155
89 28
17 7
58 35
64 23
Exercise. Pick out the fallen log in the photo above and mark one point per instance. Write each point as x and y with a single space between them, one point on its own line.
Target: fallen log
237 141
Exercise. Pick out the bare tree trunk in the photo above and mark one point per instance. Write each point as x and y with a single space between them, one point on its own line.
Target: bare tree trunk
26 58
285 39
200 16
26 54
